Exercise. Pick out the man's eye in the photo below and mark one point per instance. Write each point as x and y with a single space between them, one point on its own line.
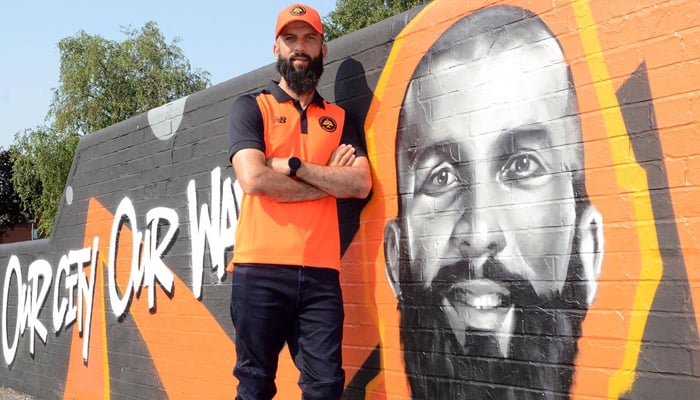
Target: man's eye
522 166
440 180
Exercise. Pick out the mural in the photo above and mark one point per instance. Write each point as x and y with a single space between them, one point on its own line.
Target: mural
530 235
495 245
488 133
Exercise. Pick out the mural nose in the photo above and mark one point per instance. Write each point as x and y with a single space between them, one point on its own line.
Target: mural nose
478 230
479 234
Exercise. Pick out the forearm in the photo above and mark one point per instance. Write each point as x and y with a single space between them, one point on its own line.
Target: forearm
345 176
257 178
282 188
340 182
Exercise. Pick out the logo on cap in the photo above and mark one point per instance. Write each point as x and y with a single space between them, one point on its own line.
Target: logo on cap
328 124
297 11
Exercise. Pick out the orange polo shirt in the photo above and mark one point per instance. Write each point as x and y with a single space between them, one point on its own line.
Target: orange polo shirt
304 233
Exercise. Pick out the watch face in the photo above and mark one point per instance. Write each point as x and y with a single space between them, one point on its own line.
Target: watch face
294 164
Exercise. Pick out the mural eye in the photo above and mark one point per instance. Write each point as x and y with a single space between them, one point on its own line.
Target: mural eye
521 166
441 179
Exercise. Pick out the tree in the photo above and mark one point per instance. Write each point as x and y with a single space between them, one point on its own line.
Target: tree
41 160
352 15
10 209
101 82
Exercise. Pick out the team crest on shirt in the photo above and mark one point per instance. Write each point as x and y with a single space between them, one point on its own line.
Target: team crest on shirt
297 11
328 124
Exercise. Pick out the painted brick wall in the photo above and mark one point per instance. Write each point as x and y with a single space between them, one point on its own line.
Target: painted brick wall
531 232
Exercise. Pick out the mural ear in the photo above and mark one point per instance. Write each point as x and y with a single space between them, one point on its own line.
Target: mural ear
392 251
590 231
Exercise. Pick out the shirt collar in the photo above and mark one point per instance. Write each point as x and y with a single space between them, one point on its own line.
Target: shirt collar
281 96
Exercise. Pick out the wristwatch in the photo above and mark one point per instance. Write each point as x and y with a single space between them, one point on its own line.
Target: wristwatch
294 164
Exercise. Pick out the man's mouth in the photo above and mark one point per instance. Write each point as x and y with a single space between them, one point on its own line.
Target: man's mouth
301 58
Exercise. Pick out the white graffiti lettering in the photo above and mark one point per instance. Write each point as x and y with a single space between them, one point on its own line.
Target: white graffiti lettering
151 267
215 229
74 286
39 273
60 313
13 269
30 298
87 291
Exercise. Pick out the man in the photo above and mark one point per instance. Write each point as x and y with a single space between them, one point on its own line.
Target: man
496 250
294 154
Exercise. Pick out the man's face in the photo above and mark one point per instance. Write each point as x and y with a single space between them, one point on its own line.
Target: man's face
488 206
300 51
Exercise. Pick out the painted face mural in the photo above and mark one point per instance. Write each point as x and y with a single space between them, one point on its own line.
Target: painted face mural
495 242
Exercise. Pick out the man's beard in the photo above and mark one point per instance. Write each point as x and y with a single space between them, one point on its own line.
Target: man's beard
541 353
304 80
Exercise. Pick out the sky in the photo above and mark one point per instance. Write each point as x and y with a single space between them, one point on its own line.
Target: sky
225 38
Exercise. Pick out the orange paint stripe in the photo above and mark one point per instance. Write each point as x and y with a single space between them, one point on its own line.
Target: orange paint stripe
192 354
91 380
632 179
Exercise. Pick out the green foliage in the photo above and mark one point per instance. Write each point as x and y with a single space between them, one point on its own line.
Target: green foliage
352 15
42 159
102 82
10 209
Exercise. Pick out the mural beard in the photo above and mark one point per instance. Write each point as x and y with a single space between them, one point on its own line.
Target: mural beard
540 357
303 80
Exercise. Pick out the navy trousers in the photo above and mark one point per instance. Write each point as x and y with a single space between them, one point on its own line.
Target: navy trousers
301 306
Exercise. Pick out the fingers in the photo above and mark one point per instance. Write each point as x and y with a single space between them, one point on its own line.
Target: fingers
343 156
347 155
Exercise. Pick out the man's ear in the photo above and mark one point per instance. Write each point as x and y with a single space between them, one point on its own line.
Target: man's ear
275 50
392 254
324 50
590 231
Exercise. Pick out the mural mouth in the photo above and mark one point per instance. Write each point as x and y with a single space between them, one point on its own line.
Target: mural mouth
462 286
480 304
482 294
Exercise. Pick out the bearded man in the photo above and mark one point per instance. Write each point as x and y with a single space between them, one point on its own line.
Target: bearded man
293 154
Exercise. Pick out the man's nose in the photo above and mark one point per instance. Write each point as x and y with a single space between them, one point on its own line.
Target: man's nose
298 47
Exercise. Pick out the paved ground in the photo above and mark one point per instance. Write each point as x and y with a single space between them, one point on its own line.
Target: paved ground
9 394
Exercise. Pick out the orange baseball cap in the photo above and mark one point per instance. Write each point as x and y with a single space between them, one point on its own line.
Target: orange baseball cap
298 12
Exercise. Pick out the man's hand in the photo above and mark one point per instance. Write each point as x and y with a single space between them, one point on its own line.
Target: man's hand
344 176
343 156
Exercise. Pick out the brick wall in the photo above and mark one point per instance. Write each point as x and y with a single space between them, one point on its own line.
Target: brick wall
530 234
17 234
